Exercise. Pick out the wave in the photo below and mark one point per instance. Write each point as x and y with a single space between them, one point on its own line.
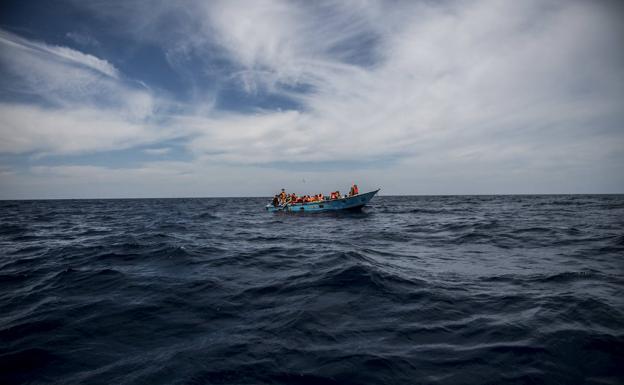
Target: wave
17 366
17 331
10 229
472 237
206 216
13 279
556 278
350 272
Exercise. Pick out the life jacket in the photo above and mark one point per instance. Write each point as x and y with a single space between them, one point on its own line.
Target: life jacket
356 191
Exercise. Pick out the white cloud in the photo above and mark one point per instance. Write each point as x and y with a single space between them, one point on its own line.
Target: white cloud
157 151
26 128
83 39
64 54
87 106
483 75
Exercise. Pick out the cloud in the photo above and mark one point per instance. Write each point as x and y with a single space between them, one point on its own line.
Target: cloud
488 89
70 102
64 77
157 151
28 128
13 44
150 179
83 39
498 78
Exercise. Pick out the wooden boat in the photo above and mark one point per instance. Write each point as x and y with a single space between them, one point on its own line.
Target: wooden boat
353 203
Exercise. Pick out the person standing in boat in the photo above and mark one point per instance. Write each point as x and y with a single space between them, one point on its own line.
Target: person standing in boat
282 197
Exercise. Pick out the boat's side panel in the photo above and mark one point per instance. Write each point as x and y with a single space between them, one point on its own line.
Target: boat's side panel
350 203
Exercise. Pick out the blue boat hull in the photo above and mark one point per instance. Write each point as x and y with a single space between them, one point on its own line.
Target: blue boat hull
355 202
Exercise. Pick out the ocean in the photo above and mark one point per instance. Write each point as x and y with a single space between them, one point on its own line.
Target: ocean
413 290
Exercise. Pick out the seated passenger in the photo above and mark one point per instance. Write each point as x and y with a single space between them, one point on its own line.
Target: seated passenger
275 201
355 188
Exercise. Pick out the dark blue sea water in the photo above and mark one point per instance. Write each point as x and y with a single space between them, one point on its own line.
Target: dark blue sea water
414 290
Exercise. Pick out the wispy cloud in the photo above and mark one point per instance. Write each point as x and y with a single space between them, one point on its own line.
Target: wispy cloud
157 151
67 55
439 77
83 39
87 105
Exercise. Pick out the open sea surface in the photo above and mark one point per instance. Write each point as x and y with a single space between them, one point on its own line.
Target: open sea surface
413 290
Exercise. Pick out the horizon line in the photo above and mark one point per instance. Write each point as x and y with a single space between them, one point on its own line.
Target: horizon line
268 196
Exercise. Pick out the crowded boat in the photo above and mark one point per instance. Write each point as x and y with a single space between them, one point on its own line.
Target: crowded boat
284 198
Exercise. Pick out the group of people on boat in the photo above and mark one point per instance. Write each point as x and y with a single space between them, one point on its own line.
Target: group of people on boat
284 198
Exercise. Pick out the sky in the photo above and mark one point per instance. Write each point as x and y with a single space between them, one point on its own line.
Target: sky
114 99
